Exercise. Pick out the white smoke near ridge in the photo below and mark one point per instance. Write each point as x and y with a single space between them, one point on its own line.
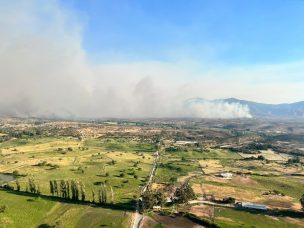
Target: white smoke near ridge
217 109
44 72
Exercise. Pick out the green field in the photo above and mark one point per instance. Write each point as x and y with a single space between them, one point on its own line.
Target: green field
27 211
122 165
228 218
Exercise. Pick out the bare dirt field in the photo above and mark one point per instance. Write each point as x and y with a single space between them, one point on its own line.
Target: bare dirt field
169 222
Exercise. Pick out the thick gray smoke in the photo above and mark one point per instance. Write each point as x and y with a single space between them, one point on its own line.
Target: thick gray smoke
44 72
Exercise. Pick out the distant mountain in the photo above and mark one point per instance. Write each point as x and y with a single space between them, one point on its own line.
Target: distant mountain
287 110
271 110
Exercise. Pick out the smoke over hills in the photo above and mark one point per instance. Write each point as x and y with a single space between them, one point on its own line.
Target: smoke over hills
44 72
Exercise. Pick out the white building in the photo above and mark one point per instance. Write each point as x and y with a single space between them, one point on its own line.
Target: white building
251 206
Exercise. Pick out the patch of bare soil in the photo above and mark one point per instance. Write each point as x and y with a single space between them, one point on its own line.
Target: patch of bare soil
243 180
202 210
221 192
298 222
148 222
197 188
281 202
175 222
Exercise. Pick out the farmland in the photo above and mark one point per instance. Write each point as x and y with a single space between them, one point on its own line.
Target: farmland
117 159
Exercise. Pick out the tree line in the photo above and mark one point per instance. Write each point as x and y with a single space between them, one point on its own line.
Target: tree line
68 189
75 190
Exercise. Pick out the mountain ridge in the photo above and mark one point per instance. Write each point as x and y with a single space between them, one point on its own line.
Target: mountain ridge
286 110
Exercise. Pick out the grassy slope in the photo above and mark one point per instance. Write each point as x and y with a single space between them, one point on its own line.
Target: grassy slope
94 161
26 211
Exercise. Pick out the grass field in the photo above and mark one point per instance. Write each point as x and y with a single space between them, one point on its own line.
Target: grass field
121 164
228 218
26 211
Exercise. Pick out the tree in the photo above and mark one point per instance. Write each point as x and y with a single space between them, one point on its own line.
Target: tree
112 195
104 194
152 198
82 191
63 189
75 190
184 193
55 187
93 196
52 188
67 189
302 201
18 185
32 185
38 190
99 196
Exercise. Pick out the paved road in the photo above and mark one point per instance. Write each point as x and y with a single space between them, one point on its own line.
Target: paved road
139 217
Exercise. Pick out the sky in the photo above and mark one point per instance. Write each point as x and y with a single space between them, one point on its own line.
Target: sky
226 31
142 58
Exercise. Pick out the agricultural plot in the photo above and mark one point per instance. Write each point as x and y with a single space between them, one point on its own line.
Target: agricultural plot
122 166
122 169
170 169
112 163
229 218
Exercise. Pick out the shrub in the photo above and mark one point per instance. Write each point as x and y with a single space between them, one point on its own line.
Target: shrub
229 200
302 201
16 173
3 208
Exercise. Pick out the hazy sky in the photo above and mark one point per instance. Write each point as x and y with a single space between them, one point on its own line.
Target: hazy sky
145 58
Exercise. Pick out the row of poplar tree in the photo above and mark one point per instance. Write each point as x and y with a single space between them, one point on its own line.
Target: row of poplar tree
68 189
31 186
75 190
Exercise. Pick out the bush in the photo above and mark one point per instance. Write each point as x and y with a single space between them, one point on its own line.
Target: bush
45 226
173 179
16 173
3 208
229 200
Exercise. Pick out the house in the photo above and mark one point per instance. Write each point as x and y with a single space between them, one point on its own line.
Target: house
156 208
186 143
247 205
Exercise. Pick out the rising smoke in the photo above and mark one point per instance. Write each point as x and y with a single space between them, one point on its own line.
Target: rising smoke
44 72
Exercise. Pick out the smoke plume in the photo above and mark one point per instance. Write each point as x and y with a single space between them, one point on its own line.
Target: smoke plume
45 72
